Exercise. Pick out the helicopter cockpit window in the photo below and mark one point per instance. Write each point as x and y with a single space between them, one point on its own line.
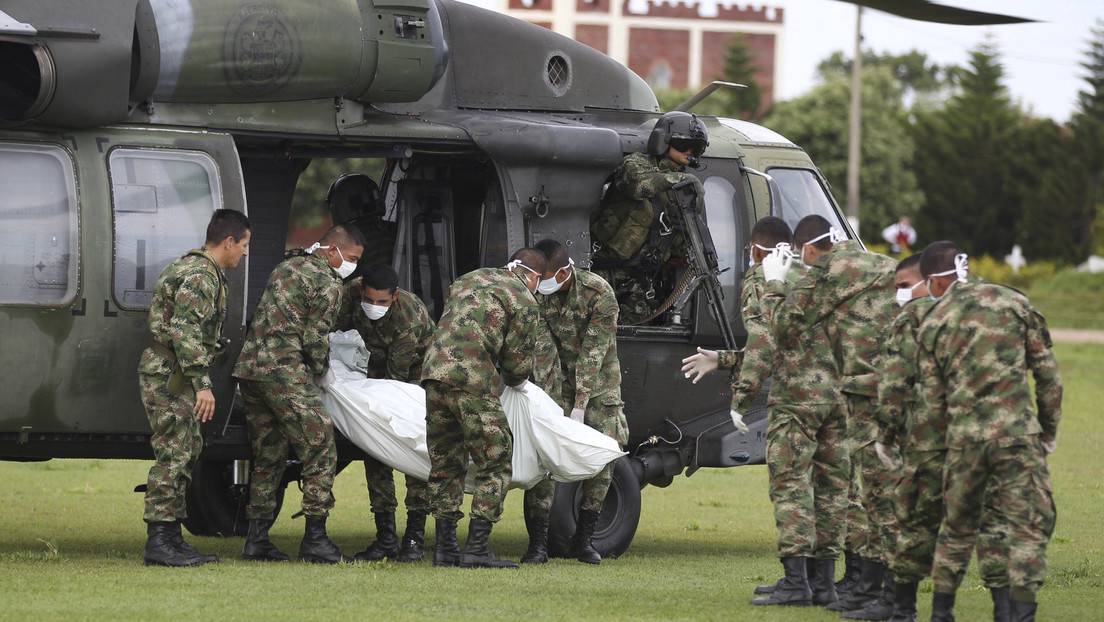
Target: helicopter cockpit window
802 195
163 200
38 225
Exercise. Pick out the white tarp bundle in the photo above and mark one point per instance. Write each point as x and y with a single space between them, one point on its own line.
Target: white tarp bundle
386 419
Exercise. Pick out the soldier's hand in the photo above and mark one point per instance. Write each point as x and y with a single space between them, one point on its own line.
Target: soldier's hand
883 455
697 366
1050 446
776 265
204 405
738 421
578 414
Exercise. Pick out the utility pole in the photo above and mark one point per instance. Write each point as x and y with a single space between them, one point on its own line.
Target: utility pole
854 134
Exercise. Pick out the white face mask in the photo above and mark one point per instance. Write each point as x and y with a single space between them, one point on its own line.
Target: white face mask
345 269
751 253
961 270
551 286
374 312
904 294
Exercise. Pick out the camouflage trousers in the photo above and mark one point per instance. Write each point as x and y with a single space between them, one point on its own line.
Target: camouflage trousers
381 489
280 415
177 442
607 419
876 485
460 424
1007 487
855 539
808 463
918 498
635 301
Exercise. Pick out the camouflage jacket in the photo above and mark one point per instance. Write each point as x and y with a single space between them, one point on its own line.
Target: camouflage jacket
901 414
288 340
583 323
397 341
486 332
639 190
186 316
547 370
983 339
804 370
758 357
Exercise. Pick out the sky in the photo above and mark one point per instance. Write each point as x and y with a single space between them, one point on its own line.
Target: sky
1041 60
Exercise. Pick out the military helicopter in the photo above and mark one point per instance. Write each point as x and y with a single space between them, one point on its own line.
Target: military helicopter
123 124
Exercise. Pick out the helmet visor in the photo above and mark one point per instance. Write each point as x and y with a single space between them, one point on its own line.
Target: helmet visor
693 146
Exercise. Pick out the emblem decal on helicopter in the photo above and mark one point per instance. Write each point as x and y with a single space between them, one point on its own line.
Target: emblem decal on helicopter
261 50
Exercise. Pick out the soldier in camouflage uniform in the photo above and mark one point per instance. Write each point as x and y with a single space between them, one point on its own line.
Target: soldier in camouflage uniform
807 453
983 339
185 319
850 293
639 245
580 309
912 416
286 349
485 336
396 329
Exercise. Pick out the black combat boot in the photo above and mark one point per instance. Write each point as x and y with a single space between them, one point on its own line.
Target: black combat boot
943 607
258 547
582 543
182 545
794 589
880 608
446 551
852 568
316 547
1002 603
1022 611
904 602
386 544
413 540
160 549
869 587
537 552
476 554
821 581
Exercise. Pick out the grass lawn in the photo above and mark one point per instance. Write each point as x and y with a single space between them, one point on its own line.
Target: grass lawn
71 548
1070 299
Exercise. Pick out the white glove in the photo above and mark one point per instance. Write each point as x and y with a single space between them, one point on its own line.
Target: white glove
883 455
1050 446
699 365
325 379
738 421
577 414
776 265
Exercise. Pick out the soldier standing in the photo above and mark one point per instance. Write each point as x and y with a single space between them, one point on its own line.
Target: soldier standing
396 329
486 334
580 310
286 350
984 338
638 244
807 457
185 318
849 292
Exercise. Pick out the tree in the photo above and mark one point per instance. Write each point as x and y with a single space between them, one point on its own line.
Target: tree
736 103
965 162
924 83
818 122
1088 130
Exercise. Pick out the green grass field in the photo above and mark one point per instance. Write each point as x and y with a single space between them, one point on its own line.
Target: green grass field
71 548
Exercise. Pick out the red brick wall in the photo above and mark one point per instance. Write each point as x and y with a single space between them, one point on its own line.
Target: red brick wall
690 10
594 35
647 46
593 6
761 49
538 5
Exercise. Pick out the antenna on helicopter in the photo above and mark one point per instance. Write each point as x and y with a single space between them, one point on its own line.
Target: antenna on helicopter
708 90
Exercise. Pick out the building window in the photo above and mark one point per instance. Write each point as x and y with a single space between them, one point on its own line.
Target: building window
38 225
163 200
660 75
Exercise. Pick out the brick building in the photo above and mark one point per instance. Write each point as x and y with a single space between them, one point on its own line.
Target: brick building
670 44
